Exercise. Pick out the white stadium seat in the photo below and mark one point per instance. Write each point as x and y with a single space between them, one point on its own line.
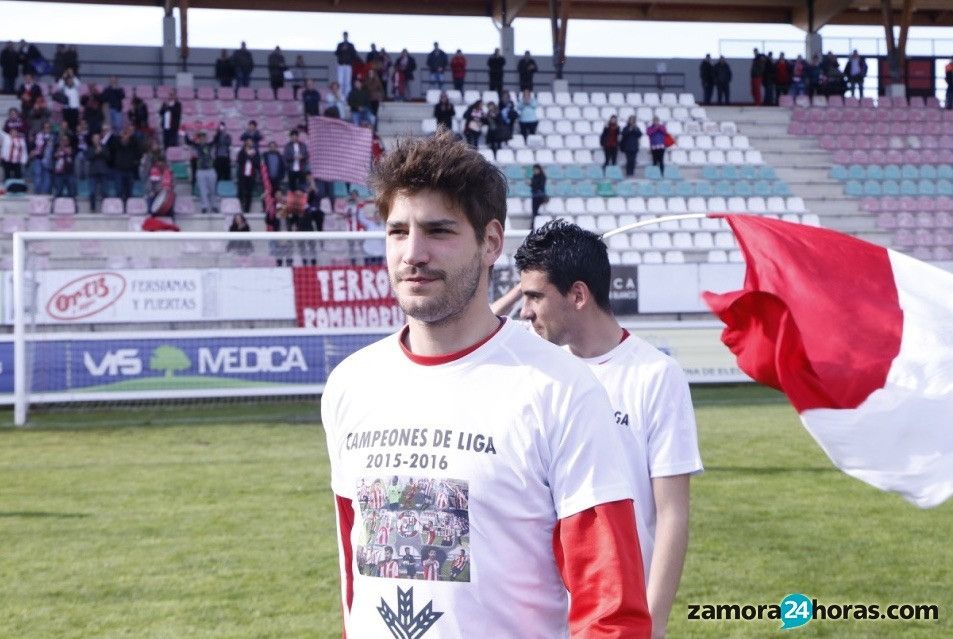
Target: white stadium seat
674 257
544 98
735 205
595 205
555 141
556 206
429 126
722 142
697 205
545 127
563 127
607 112
682 240
470 96
545 156
757 204
553 113
652 257
717 256
587 222
591 141
514 206
740 142
686 99
562 98
635 205
573 141
615 205
703 240
605 223
591 113
796 205
582 127
735 156
583 156
633 99
525 156
725 240
572 113
651 99
640 240
619 242
669 99
716 157
616 99
580 98
433 96
598 99
703 142
777 205
505 156
631 257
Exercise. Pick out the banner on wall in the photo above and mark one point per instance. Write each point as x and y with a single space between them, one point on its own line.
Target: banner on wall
345 297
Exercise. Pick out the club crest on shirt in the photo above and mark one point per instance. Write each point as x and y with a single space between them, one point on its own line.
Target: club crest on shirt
404 624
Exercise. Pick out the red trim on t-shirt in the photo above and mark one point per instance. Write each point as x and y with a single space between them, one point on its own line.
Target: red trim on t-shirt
597 553
625 335
434 360
345 511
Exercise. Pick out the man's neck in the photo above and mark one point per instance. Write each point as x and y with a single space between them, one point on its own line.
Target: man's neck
596 335
455 334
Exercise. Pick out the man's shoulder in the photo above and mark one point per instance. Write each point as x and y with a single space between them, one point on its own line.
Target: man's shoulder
370 358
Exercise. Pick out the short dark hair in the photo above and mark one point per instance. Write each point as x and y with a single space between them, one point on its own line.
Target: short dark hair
567 254
443 164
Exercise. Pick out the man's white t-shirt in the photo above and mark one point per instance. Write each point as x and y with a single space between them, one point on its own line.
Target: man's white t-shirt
488 452
649 393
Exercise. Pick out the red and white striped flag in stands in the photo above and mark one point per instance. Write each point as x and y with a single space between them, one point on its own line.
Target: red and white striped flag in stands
860 339
339 150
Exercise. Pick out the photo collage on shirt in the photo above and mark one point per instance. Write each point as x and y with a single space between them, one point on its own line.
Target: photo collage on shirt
415 528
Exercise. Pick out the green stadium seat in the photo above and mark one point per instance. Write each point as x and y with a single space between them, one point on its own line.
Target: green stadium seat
514 172
945 171
605 188
520 189
82 188
180 171
854 188
871 188
558 188
748 172
928 172
730 172
710 172
138 189
891 172
666 188
672 172
944 187
363 191
761 188
767 173
890 187
908 187
704 189
839 172
743 188
339 189
926 187
875 172
227 188
614 173
652 172
574 172
909 172
723 189
555 172
780 189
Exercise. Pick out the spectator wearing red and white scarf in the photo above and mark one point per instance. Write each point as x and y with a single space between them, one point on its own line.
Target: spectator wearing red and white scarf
14 154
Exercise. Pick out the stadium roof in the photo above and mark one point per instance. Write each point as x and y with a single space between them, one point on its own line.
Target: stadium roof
855 12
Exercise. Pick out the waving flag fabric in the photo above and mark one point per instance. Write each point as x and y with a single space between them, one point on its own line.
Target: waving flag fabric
339 150
860 339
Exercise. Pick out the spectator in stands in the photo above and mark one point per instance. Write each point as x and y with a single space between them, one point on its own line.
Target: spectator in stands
160 183
14 154
335 106
813 76
404 69
39 115
313 209
80 144
243 64
782 76
29 93
444 112
247 167
252 133
152 154
529 119
71 59
495 64
359 102
949 84
41 158
798 76
64 169
377 149
225 69
170 118
723 80
657 137
296 161
276 70
14 121
346 54
526 68
10 66
437 63
757 75
706 72
509 114
32 61
458 70
372 56
629 140
139 115
222 143
93 109
205 176
311 99
385 67
495 128
156 223
239 225
856 72
768 80
299 72
112 97
609 141
537 189
375 91
278 220
126 152
274 162
59 61
473 120
99 170
68 92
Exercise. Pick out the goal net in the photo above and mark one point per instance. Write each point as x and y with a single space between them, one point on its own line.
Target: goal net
113 317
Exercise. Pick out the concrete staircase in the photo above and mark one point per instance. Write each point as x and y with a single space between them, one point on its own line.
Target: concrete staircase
804 166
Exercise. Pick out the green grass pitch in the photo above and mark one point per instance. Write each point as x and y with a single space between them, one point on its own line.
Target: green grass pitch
216 521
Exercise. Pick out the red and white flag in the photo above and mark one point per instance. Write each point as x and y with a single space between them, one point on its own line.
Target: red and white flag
860 339
339 150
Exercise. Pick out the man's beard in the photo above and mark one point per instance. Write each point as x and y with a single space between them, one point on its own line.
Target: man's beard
459 288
